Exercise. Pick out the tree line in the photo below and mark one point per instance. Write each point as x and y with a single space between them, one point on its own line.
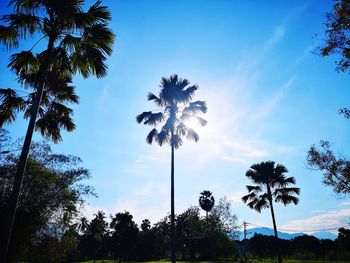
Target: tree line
303 247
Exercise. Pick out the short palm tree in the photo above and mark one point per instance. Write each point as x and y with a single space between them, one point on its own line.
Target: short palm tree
175 100
206 201
76 41
271 186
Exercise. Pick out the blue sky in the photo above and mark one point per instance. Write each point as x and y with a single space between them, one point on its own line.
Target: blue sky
268 96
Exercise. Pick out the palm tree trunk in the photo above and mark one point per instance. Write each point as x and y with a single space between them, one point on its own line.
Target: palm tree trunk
172 215
13 200
274 223
273 220
14 196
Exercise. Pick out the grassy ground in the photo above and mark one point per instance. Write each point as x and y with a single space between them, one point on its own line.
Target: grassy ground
249 261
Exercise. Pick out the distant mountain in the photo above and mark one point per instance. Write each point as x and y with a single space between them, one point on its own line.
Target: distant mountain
324 235
284 235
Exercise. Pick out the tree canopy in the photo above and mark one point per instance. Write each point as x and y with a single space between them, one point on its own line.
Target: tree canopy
53 189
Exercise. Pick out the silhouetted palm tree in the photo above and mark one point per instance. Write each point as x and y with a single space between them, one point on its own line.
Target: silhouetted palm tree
77 41
175 100
83 224
271 186
206 201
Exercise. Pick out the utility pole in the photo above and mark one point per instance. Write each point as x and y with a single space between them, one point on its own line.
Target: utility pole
245 240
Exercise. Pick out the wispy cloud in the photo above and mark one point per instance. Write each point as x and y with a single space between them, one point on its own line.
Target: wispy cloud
269 104
328 220
253 60
103 100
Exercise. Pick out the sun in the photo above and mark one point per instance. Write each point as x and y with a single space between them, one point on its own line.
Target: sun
193 123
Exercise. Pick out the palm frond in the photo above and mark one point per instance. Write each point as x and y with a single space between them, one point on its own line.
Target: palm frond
287 191
60 60
287 199
176 140
56 118
143 116
187 94
100 37
262 203
157 101
192 135
253 176
181 129
154 118
8 37
67 95
250 196
152 136
150 118
252 203
201 121
23 62
71 43
163 137
89 61
23 23
280 170
254 188
98 13
25 5
289 180
196 107
11 103
181 84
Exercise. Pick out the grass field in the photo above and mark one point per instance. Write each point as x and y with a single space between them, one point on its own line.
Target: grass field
248 261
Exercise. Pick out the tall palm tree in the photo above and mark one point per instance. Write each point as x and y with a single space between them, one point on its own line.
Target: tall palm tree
76 41
206 201
174 99
271 186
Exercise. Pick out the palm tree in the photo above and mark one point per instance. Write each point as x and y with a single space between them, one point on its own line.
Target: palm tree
271 185
83 224
206 201
76 41
174 99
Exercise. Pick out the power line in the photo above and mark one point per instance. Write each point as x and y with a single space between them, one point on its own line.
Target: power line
293 230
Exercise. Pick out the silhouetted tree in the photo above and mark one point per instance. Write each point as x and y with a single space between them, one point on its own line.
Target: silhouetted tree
83 224
337 42
306 247
206 201
337 32
77 41
174 98
147 242
344 242
124 236
189 232
49 199
336 171
92 239
329 249
222 226
271 186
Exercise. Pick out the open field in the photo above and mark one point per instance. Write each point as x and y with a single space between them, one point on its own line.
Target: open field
248 261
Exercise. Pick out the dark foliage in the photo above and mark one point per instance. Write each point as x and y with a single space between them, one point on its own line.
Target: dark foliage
123 240
301 248
337 33
336 170
49 199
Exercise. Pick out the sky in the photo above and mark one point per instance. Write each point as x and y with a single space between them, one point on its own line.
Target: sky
269 97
